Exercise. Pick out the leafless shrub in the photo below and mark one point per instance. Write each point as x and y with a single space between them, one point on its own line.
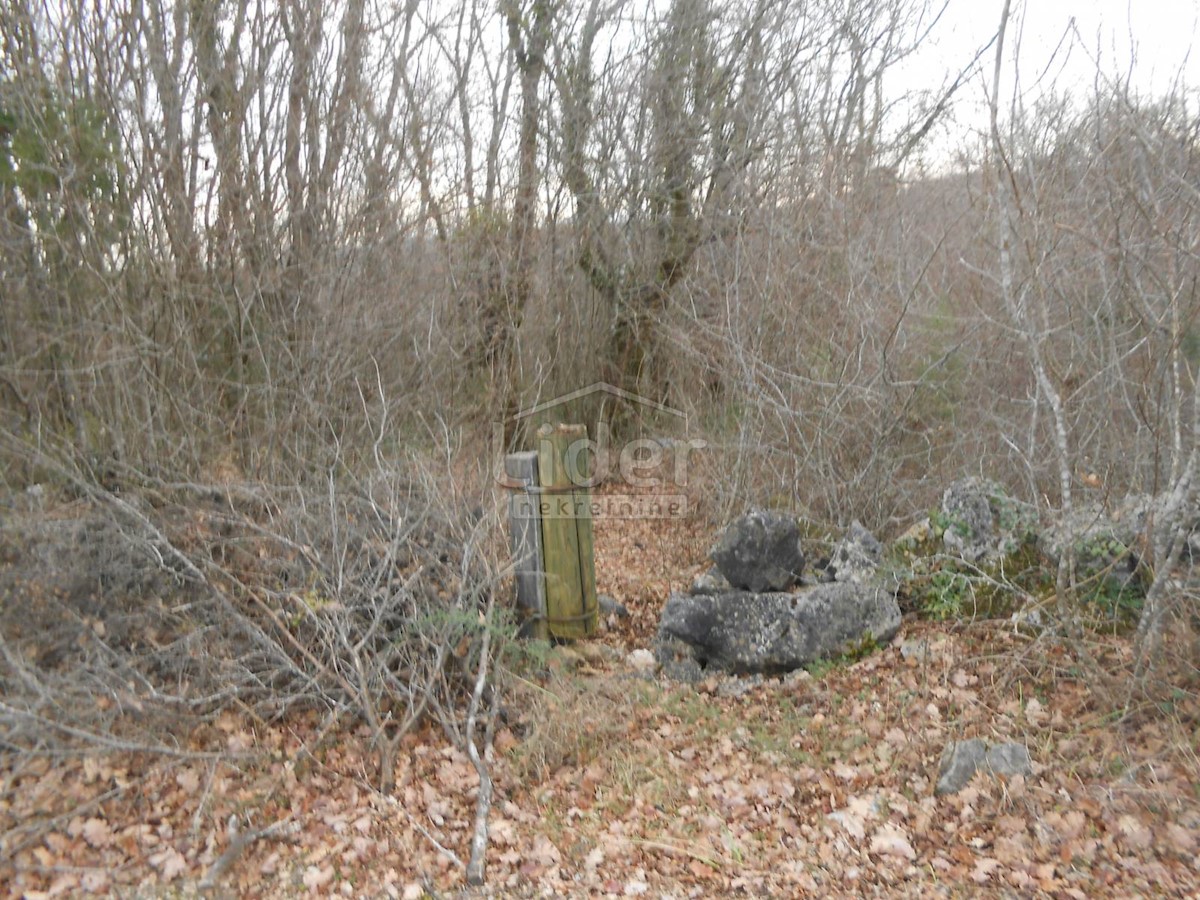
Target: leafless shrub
373 600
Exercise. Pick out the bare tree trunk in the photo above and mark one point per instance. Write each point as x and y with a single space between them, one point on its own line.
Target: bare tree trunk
529 32
1016 303
165 63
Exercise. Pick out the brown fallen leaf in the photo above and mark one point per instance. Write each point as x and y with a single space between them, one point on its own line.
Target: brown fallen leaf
890 840
985 867
1135 834
505 741
315 878
189 780
169 862
97 833
1180 839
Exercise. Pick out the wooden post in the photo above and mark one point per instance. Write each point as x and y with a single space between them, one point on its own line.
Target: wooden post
567 543
525 528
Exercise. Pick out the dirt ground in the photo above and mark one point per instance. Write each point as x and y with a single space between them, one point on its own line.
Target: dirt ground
611 784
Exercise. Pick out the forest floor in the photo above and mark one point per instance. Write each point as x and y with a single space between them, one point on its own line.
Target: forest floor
611 784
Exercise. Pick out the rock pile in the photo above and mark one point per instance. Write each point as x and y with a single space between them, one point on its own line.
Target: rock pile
756 613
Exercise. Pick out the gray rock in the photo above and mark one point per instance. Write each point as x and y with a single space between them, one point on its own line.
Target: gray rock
611 607
857 556
737 687
1101 545
1009 759
641 660
1032 618
962 759
711 582
760 551
677 660
1140 515
743 632
982 521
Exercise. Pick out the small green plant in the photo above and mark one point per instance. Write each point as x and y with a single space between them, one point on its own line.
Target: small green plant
947 594
1110 585
1101 546
526 656
821 667
1114 600
1016 520
941 586
940 523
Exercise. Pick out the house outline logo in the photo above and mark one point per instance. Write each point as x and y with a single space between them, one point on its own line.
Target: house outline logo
640 461
599 387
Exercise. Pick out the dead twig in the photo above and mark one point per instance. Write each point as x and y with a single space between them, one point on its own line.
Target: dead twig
240 842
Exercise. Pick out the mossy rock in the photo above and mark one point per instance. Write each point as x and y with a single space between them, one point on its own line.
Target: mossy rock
1109 575
974 556
979 520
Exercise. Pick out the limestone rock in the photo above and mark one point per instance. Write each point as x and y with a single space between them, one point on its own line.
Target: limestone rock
962 759
857 556
981 521
760 551
641 660
711 582
745 632
1101 547
611 606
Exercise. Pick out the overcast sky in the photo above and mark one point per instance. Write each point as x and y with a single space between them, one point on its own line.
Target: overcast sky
1151 41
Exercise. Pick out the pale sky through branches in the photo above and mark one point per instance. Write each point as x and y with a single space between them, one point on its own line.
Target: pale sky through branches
1058 44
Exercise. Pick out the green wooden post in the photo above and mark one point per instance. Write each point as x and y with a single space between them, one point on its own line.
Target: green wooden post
567 544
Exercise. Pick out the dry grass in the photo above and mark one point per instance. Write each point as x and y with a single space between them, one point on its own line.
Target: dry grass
572 722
